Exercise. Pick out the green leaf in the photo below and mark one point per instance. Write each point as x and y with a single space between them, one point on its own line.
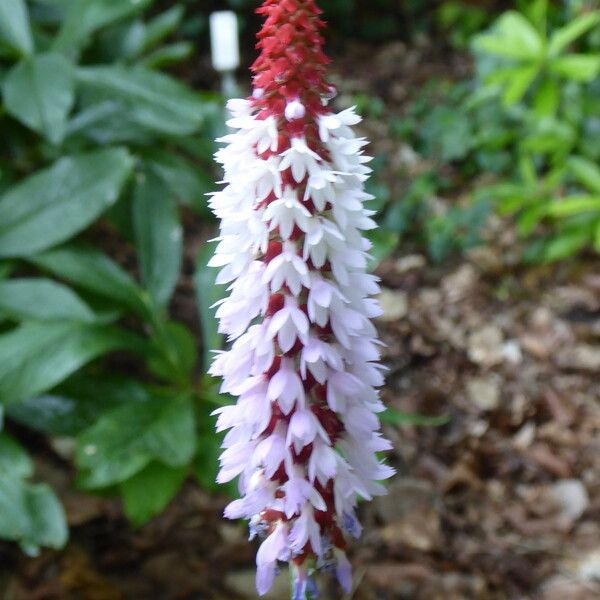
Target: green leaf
384 242
513 37
536 12
127 439
573 205
58 202
42 300
108 122
6 268
395 417
187 181
207 293
586 172
531 216
167 55
527 170
162 25
547 98
39 91
579 67
448 134
174 355
149 491
206 463
84 17
37 356
550 136
559 246
91 270
566 35
30 514
597 237
15 29
77 403
154 100
13 459
518 84
158 237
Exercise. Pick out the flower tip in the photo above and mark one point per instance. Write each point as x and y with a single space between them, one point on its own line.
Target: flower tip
344 572
265 575
295 110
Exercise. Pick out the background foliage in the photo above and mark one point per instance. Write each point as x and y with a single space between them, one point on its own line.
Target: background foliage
94 128
526 122
106 155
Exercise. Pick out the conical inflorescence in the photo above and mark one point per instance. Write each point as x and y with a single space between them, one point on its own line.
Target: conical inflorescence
303 359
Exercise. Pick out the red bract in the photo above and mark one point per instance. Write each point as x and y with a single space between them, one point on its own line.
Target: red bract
292 63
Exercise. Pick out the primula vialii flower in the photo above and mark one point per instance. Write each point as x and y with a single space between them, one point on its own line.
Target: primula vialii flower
303 362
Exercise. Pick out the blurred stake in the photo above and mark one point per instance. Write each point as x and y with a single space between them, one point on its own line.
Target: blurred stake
225 49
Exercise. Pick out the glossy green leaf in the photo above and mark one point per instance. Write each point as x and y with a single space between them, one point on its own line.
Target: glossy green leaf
108 122
6 268
186 180
42 300
127 439
153 99
30 514
77 403
39 355
92 270
13 459
56 203
39 91
173 355
15 29
149 491
162 25
206 464
165 56
158 237
566 35
84 17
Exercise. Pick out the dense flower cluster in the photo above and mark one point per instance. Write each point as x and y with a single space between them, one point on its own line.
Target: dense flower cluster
303 360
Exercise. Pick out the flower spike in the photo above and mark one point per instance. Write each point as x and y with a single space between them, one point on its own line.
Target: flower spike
303 361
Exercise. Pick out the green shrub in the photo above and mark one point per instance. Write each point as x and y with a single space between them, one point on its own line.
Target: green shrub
545 73
529 119
92 129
